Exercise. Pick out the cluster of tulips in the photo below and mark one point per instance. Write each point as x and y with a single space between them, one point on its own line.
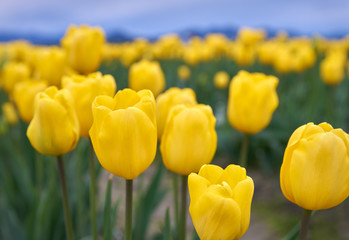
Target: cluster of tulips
57 91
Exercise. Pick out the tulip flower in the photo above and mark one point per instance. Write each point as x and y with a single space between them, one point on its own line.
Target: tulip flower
24 96
54 129
9 113
172 97
123 132
183 72
220 202
332 68
146 75
50 65
252 101
84 90
124 137
315 169
315 164
221 80
189 139
84 47
13 73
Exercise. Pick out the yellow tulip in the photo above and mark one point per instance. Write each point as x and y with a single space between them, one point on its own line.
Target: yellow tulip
172 97
220 202
147 75
9 113
50 65
84 90
13 73
189 139
221 80
315 169
123 132
84 47
183 72
24 96
332 69
251 36
54 129
252 101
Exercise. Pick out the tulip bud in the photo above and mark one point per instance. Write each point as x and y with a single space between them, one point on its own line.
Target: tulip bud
183 72
315 169
9 113
189 139
50 65
220 201
24 96
221 80
84 47
84 90
172 97
146 75
123 132
13 73
54 129
252 101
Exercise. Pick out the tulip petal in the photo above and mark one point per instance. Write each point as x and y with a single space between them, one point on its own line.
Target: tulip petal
243 194
197 186
215 217
131 148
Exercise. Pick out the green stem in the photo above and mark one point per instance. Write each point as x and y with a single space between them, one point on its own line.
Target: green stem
331 96
67 216
93 193
182 223
244 150
128 222
39 170
107 228
175 199
305 224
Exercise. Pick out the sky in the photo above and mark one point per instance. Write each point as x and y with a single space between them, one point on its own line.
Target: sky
154 17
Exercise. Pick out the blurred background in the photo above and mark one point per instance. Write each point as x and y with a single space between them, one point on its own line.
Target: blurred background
45 22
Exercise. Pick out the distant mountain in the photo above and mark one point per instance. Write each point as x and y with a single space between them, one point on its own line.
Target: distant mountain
118 36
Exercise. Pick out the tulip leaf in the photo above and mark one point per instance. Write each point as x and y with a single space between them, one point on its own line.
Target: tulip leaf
167 228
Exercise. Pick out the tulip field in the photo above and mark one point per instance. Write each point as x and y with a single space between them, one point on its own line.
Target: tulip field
211 138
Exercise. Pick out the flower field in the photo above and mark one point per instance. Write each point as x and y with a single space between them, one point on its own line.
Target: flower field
211 138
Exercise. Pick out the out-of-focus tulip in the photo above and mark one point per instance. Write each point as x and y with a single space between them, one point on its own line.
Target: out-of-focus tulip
172 97
220 202
243 54
251 36
84 47
189 139
50 65
315 170
9 113
24 96
146 75
13 73
221 79
252 101
332 68
183 72
123 132
54 129
19 50
84 90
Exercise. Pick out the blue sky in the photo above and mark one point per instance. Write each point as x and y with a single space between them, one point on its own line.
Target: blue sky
153 17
